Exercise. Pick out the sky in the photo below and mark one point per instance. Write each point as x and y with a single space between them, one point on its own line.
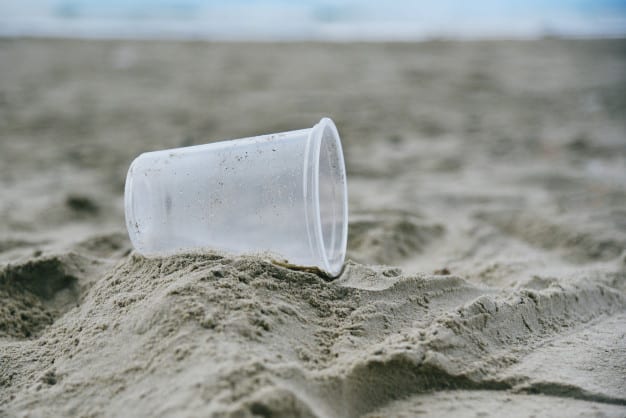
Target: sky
313 19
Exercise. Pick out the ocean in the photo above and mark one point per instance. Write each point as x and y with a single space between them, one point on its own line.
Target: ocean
282 20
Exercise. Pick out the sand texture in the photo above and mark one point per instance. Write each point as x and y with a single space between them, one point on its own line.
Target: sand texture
487 248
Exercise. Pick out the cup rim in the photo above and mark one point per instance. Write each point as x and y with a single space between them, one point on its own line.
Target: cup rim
315 144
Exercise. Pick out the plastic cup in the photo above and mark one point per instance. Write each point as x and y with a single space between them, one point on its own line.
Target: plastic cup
283 194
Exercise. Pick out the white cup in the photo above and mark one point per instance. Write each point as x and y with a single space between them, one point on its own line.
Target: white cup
283 194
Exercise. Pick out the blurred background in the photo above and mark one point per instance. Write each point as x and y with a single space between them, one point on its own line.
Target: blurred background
347 20
481 105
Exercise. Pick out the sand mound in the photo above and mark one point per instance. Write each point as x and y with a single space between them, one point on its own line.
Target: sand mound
36 292
243 337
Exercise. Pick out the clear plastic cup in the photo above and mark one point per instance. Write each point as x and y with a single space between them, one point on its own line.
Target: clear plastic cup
283 194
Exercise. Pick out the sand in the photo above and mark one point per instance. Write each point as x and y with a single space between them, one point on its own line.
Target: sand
487 249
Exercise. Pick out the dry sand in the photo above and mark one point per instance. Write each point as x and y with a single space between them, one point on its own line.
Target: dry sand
487 237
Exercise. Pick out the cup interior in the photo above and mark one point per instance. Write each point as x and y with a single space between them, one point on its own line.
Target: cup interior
332 197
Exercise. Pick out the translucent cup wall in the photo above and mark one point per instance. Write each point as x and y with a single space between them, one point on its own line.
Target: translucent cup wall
283 194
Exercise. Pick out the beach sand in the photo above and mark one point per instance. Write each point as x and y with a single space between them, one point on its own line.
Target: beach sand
487 245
